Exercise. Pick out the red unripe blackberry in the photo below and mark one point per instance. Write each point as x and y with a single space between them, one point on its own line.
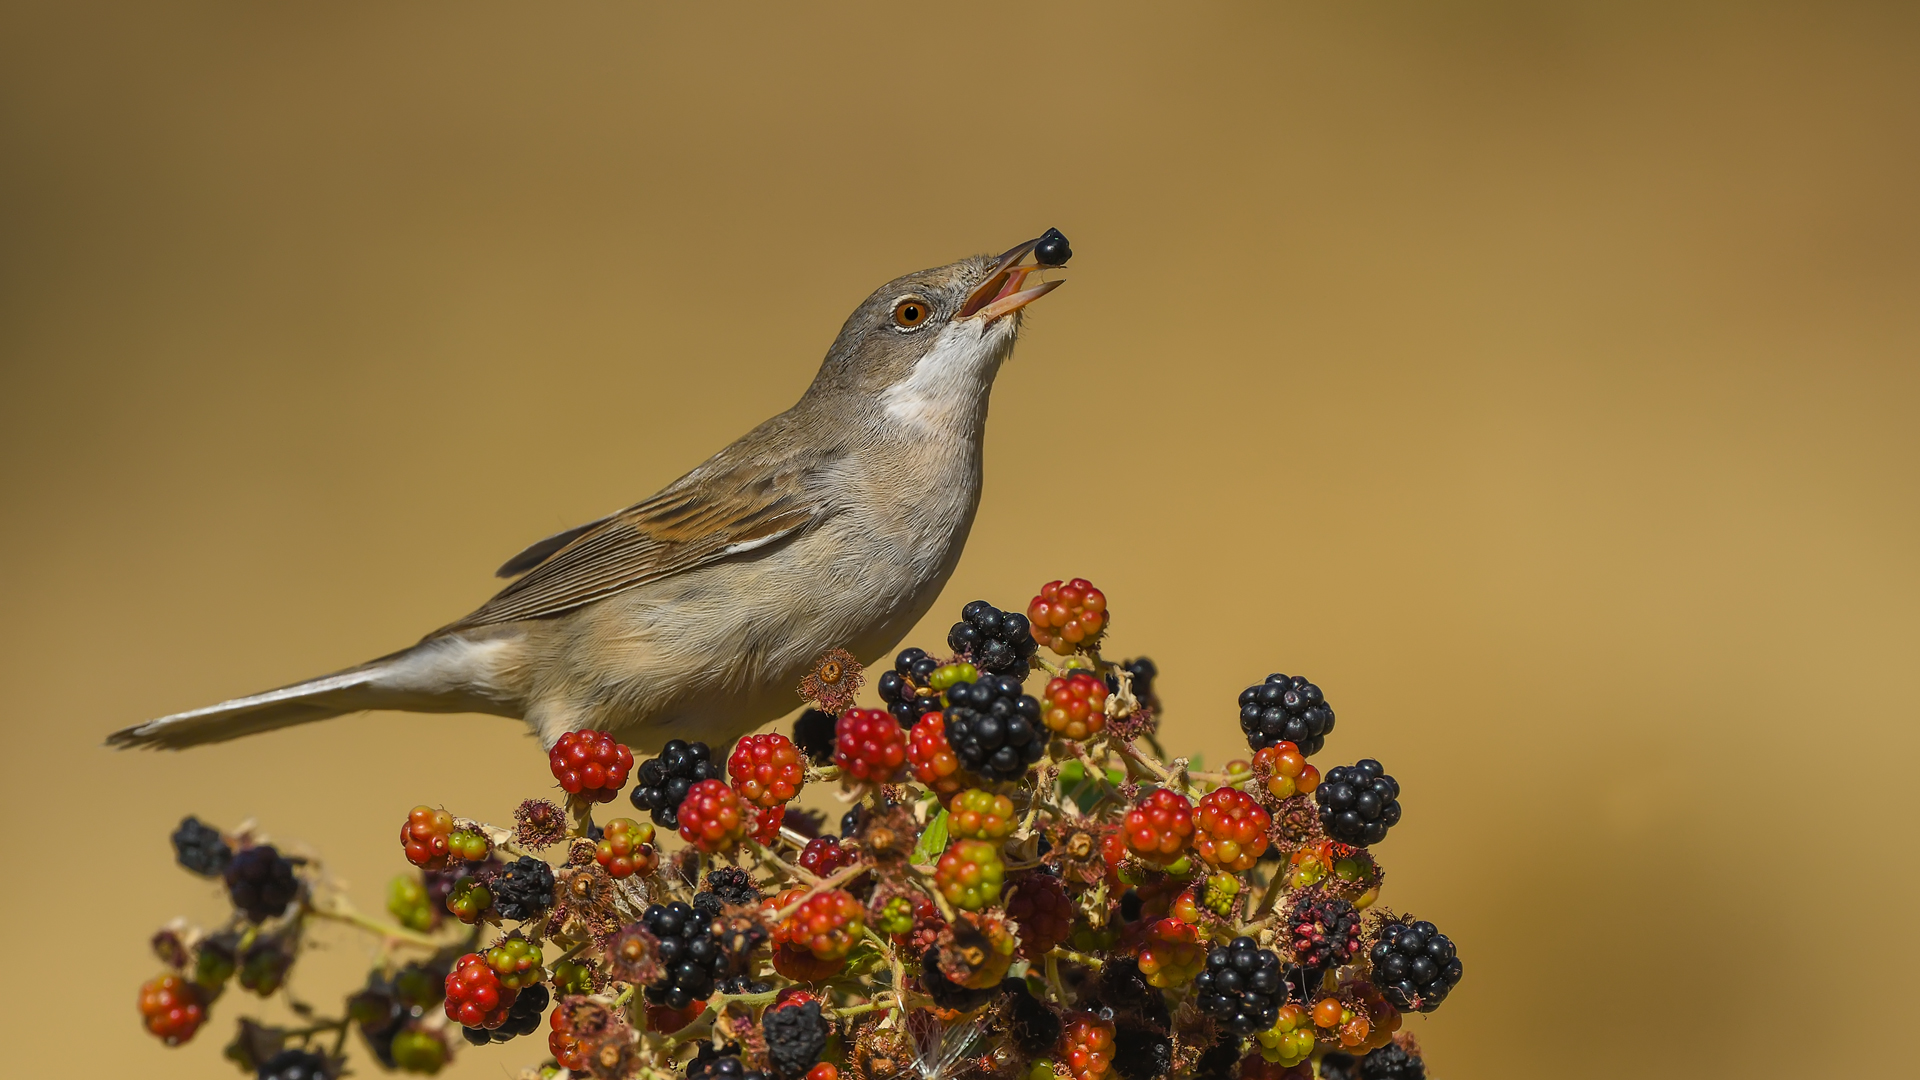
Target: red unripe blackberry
171 1009
1230 829
712 818
764 824
1067 615
1159 827
980 815
970 874
767 769
869 745
823 1071
901 688
590 764
1173 953
826 925
932 758
475 997
823 856
998 642
626 848
663 782
261 883
1414 965
1290 773
1039 904
1285 708
424 837
1358 803
1074 705
1086 1047
1323 932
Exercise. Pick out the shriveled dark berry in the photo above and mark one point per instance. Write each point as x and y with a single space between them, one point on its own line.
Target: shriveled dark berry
727 885
1141 1053
200 848
1242 987
1392 1062
1358 803
260 882
1032 1026
1052 250
900 686
995 641
796 1035
1414 965
663 782
1285 708
813 734
1220 1061
994 729
524 889
692 959
1324 932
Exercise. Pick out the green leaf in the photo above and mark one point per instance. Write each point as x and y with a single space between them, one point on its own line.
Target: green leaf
933 840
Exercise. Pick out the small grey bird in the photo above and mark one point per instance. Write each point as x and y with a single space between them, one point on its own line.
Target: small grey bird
696 613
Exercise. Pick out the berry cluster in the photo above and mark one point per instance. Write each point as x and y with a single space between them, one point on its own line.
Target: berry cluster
986 826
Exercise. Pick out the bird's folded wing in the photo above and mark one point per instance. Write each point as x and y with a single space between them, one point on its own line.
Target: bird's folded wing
691 524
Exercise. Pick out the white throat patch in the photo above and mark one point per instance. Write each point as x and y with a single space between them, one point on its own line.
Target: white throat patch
948 386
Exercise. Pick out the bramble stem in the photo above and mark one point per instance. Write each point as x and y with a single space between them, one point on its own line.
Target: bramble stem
388 931
1077 958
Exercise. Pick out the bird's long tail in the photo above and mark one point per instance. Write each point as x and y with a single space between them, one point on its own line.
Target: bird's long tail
415 679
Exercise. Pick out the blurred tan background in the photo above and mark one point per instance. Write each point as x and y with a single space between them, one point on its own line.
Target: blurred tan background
1539 379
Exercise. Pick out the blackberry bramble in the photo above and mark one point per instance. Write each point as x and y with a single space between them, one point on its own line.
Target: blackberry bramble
1068 615
663 782
1358 803
994 729
998 642
1285 708
1415 965
590 765
1242 987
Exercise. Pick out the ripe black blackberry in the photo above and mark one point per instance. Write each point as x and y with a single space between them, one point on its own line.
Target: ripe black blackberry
1285 708
727 885
1414 965
743 984
662 783
796 1035
690 955
1323 932
260 882
1358 803
1141 1053
900 688
1339 1065
813 734
294 1065
1143 672
1392 1062
1220 1061
524 889
994 729
1241 988
995 641
1033 1027
1125 995
200 848
523 1018
721 1067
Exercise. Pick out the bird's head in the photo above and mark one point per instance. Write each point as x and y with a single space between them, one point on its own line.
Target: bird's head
924 344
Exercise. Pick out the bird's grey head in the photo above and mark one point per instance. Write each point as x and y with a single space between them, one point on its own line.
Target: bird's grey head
924 346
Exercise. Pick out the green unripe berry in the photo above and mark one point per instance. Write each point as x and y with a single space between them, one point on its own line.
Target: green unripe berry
572 977
469 844
418 1051
896 916
469 900
407 902
517 961
970 874
944 677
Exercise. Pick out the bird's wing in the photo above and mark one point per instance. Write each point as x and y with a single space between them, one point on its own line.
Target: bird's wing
712 513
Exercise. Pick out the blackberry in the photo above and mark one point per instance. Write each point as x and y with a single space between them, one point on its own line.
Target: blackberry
1325 933
795 1035
690 955
1052 250
944 991
663 781
522 1019
1339 1065
744 984
200 848
720 1064
1414 965
900 688
996 641
1125 995
1358 803
1141 1053
1285 708
1034 1028
728 885
1241 988
1144 672
994 729
852 820
1220 1061
294 1065
524 889
1392 1062
261 883
813 734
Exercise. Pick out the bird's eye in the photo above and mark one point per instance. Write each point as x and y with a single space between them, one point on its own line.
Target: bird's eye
910 313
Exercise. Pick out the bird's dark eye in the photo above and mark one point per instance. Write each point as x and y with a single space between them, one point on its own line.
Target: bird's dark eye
910 313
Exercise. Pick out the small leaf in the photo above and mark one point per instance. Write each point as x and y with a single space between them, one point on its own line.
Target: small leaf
933 839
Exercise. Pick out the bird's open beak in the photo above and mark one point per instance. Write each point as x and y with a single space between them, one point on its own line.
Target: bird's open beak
1001 293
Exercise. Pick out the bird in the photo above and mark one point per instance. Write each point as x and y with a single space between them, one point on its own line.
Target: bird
696 612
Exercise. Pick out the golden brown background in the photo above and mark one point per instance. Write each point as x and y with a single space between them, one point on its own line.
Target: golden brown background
1539 379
